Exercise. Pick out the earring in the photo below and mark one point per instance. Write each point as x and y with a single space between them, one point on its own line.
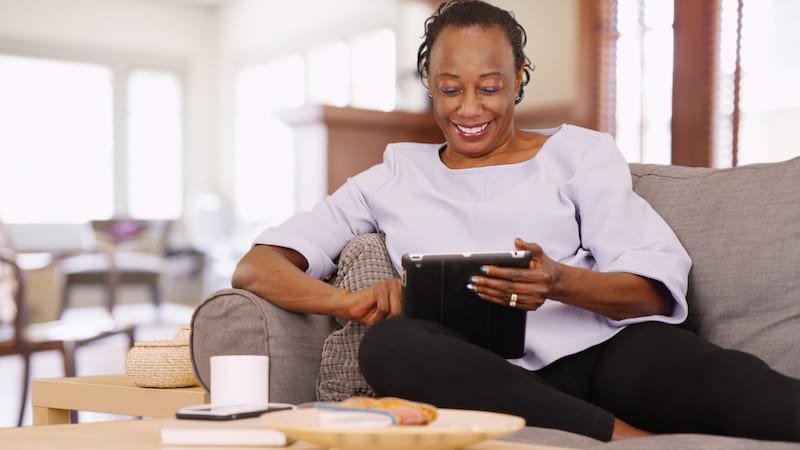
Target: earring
430 94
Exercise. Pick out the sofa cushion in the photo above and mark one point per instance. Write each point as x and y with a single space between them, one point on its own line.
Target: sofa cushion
237 322
741 226
552 437
363 262
694 442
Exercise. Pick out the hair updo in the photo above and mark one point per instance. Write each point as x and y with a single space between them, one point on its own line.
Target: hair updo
467 13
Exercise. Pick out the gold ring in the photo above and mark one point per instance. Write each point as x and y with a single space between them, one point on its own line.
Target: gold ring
513 301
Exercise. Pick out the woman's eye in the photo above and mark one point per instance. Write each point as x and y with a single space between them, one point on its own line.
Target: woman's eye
490 90
449 91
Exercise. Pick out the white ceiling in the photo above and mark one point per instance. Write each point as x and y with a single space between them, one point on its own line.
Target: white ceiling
200 2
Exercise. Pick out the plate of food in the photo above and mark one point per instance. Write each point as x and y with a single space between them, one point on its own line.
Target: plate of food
361 424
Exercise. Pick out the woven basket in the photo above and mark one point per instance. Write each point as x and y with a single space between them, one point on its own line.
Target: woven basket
183 334
160 364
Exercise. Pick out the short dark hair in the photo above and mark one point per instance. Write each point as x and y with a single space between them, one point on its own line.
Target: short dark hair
467 13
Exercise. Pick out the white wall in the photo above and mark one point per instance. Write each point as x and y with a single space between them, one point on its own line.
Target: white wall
264 27
139 27
553 47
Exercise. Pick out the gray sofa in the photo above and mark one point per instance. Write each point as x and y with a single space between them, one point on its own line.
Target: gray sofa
741 227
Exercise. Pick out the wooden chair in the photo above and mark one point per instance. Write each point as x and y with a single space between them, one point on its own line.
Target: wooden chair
19 337
129 252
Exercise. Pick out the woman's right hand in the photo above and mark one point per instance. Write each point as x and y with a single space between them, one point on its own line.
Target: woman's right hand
375 303
278 274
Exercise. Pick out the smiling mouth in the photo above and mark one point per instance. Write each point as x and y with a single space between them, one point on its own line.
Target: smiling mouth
472 131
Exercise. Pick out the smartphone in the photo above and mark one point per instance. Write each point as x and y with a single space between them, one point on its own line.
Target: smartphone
230 412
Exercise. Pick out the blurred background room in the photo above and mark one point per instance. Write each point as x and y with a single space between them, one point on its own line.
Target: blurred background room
144 143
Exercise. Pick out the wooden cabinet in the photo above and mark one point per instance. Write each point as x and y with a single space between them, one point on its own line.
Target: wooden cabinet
350 140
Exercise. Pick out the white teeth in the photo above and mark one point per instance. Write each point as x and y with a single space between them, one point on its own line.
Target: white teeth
473 130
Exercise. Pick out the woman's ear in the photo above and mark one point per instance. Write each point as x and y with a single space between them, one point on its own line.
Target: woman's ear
518 85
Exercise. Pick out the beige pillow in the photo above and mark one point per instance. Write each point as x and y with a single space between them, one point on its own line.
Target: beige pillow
363 262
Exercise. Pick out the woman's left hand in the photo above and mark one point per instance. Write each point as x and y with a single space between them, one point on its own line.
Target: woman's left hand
515 287
617 295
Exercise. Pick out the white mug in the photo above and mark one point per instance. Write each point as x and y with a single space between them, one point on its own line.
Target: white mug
239 379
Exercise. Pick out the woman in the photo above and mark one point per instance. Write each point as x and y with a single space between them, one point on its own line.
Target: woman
606 286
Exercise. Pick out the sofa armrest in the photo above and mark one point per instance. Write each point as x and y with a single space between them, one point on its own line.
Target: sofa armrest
237 322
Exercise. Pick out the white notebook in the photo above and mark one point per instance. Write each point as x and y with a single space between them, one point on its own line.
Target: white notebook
228 432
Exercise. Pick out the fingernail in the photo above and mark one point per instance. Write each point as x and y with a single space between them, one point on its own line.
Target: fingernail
485 270
471 287
473 279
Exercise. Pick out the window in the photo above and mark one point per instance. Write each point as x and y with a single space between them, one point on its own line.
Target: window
373 71
717 78
56 144
759 100
328 78
359 72
62 147
154 163
264 155
644 80
636 43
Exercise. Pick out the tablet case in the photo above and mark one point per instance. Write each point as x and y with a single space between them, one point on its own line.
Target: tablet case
435 289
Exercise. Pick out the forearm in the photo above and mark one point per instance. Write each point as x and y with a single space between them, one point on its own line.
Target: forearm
618 295
277 274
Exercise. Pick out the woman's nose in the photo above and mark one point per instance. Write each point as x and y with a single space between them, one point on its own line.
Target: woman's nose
470 105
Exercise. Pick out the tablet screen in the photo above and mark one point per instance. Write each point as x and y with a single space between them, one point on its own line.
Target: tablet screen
435 289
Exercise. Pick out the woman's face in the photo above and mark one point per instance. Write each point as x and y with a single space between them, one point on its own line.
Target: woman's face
473 81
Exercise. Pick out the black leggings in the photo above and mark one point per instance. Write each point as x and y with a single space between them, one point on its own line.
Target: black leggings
654 376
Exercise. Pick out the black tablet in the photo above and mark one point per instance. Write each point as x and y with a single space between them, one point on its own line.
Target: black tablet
435 289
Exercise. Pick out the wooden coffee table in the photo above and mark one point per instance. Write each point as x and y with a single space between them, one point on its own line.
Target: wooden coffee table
53 398
144 435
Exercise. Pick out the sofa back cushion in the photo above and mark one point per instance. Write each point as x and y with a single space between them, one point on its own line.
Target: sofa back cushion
741 226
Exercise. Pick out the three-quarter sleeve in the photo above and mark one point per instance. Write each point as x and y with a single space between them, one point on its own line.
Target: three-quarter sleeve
622 231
